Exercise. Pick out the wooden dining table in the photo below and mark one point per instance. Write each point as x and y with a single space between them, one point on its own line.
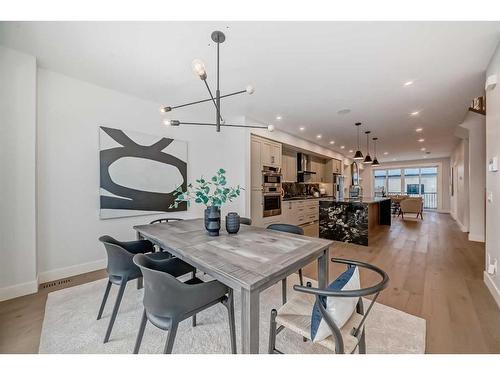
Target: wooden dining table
249 262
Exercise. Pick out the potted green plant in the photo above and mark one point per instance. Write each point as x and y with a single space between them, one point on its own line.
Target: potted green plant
213 193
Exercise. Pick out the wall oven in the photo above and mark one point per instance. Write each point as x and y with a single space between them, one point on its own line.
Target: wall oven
271 201
271 177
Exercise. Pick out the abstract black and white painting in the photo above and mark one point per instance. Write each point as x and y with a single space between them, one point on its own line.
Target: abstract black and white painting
139 173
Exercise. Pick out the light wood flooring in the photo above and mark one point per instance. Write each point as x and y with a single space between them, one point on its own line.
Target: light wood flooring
436 273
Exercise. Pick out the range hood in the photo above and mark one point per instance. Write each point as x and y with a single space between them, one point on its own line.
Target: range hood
303 165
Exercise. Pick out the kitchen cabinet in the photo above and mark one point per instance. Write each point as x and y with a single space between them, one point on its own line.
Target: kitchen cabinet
255 164
333 166
289 165
300 212
270 154
318 165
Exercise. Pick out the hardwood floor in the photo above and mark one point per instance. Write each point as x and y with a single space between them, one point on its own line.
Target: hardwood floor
436 273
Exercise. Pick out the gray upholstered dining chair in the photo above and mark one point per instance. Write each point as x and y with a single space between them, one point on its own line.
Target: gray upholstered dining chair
289 228
245 220
168 301
165 220
296 314
121 269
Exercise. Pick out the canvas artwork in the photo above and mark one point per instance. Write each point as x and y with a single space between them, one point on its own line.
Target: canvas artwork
139 173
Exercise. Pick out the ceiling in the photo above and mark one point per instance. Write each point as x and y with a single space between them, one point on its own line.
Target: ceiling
304 71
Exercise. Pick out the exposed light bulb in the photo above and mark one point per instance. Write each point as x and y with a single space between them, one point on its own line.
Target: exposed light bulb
171 122
270 128
199 69
250 89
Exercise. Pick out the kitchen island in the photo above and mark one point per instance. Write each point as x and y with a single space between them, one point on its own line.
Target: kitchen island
353 220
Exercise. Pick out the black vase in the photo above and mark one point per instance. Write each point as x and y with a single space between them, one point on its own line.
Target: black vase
232 223
212 221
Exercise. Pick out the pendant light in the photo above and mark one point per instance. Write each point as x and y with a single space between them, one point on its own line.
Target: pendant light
368 159
375 161
358 155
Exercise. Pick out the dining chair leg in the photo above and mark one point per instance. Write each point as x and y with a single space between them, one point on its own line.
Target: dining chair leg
104 299
272 332
194 320
140 334
115 309
169 345
232 326
362 343
301 277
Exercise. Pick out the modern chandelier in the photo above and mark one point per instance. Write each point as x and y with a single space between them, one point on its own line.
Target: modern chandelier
199 69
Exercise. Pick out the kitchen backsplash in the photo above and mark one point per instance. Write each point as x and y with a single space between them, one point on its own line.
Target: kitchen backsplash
294 189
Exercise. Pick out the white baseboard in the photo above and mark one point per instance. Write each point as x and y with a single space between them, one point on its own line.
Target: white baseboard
61 273
18 290
443 211
492 288
476 237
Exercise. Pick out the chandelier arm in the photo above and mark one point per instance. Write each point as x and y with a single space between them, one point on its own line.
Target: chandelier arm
230 125
209 99
213 100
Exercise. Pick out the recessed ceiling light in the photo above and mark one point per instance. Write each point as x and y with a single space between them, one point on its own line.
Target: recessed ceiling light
421 140
344 111
422 149
419 130
279 117
342 147
386 153
319 136
351 151
408 83
331 142
414 113
302 128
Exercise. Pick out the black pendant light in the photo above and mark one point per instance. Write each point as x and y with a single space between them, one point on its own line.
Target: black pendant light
358 155
368 159
375 161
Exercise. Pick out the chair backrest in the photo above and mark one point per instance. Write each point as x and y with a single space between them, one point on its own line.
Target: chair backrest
288 228
164 295
245 220
165 220
120 261
412 205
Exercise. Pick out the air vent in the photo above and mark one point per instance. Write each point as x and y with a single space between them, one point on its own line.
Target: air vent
55 284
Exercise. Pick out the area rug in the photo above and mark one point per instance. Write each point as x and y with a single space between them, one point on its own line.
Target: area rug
70 326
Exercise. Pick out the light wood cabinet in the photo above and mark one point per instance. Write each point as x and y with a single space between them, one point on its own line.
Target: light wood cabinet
270 154
318 165
333 166
300 212
289 165
255 164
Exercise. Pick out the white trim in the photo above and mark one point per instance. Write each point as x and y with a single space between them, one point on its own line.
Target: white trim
443 211
61 273
492 288
18 290
476 237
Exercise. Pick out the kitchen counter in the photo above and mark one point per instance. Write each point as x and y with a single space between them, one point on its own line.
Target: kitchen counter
305 197
353 220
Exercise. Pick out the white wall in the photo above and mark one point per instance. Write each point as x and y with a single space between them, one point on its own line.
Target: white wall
493 178
443 165
476 202
459 206
18 274
69 113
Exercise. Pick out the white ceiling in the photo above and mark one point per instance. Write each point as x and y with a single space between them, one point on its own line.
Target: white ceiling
304 71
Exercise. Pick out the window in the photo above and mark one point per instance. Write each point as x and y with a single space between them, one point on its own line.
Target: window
415 181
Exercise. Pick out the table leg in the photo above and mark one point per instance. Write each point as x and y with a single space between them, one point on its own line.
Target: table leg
323 268
250 321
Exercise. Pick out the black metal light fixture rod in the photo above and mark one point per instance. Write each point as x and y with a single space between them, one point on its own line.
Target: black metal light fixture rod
212 97
207 100
217 91
230 125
